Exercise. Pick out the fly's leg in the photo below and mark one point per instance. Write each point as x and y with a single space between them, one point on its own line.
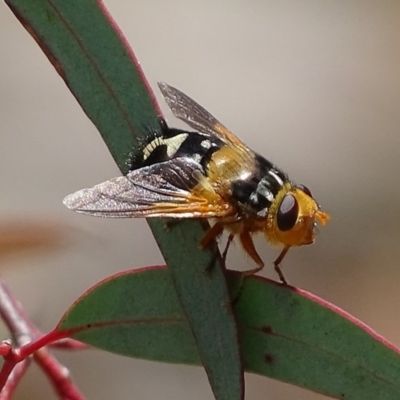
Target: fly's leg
215 231
248 246
211 234
277 265
228 244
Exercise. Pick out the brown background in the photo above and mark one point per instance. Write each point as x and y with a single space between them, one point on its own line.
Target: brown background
312 85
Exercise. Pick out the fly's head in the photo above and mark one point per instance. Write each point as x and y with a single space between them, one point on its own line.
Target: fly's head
292 218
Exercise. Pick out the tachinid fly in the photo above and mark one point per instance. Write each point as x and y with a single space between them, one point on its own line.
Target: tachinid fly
208 173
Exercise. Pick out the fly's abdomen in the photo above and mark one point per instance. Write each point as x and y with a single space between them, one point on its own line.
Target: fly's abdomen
176 143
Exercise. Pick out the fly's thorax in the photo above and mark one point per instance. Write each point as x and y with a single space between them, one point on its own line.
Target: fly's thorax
230 164
255 185
291 219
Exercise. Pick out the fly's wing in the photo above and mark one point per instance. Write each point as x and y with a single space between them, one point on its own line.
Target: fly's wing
186 109
176 188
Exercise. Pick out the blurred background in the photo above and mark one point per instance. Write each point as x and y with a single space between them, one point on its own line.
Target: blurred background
312 85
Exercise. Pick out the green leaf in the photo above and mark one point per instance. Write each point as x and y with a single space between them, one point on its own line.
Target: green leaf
102 73
287 334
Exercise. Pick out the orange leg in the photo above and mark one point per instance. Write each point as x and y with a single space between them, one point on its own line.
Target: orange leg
248 245
228 243
277 263
211 234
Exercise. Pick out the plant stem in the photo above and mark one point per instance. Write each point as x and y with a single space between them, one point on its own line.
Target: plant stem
13 380
58 375
29 341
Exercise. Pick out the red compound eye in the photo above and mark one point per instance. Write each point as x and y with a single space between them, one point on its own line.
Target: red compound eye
305 189
287 213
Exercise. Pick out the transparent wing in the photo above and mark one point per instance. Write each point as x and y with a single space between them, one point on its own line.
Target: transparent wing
186 109
176 188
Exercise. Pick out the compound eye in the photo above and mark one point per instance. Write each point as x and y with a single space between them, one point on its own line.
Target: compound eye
305 189
287 213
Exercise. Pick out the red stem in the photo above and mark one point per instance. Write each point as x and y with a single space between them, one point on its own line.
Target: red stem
13 380
28 343
68 344
14 317
59 377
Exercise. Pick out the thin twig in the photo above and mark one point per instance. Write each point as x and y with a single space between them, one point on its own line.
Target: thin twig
68 344
14 317
13 379
58 375
29 341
